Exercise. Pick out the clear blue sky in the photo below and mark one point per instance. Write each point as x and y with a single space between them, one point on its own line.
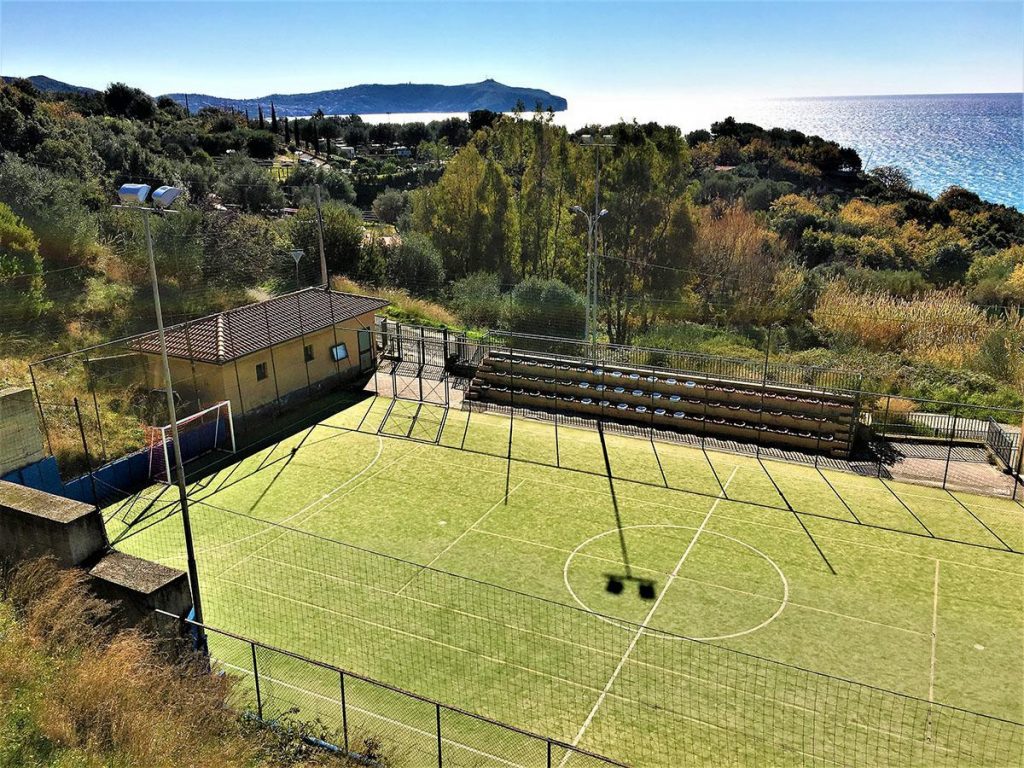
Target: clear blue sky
578 50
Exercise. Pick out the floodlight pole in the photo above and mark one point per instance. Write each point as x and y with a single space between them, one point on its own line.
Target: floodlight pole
320 238
592 224
179 470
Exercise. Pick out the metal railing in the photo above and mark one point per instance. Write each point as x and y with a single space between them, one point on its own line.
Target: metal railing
753 371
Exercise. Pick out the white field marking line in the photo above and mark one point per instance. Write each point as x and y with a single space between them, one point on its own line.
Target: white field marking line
739 501
647 620
746 521
706 583
264 457
528 631
457 539
531 670
413 635
383 718
271 526
325 505
935 633
669 636
669 671
677 673
328 500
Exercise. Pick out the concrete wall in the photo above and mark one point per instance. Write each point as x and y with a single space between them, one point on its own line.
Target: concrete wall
139 587
37 524
21 438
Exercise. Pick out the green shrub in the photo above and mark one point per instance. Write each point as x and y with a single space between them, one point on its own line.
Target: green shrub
477 299
416 265
545 307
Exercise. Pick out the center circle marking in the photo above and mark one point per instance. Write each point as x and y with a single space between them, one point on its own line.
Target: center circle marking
632 625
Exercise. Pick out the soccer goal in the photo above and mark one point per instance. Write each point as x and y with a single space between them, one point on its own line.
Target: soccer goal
211 429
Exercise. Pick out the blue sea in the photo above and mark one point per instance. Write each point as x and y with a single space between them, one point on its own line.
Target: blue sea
973 140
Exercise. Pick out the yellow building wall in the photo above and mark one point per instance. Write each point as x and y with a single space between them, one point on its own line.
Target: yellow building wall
286 362
194 382
236 381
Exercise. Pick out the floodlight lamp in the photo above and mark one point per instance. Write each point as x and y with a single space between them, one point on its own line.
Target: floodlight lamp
133 194
576 209
603 213
165 196
586 138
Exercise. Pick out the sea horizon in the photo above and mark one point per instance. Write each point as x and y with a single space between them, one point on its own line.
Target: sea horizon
973 140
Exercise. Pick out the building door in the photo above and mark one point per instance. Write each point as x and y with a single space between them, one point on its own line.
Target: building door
365 351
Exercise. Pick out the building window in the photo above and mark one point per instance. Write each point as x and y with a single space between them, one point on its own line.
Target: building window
308 352
339 352
261 371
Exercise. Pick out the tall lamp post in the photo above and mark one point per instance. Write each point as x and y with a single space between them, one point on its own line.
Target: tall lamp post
591 302
595 143
133 198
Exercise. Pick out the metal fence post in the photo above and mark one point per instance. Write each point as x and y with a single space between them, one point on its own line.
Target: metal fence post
39 404
885 427
96 407
549 753
88 459
256 677
437 708
949 451
344 712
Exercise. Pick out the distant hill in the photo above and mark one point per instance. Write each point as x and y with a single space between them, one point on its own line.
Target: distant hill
49 85
378 99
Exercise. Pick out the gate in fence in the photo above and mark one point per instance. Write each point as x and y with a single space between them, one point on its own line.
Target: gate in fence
1001 442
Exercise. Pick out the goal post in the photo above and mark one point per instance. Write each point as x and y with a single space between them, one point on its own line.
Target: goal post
208 430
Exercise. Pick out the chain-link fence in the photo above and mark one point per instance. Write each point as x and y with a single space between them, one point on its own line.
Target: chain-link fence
117 388
372 721
640 694
265 359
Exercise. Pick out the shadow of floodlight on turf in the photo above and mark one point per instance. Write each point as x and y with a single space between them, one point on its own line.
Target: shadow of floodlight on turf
617 583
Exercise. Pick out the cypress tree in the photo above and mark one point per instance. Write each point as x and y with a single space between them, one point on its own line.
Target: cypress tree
259 116
287 132
273 118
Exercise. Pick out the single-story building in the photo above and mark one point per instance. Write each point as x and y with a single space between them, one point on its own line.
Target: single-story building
263 353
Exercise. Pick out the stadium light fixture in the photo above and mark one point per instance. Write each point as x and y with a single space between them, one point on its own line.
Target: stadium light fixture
133 198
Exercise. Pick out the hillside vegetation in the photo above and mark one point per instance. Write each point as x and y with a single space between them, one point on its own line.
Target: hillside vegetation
711 239
75 693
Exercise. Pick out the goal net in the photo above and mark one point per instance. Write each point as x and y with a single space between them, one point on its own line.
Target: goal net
211 429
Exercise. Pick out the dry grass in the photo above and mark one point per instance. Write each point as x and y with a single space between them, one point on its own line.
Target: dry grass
940 327
404 307
75 692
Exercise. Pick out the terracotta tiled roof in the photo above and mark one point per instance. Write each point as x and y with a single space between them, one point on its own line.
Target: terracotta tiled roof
228 335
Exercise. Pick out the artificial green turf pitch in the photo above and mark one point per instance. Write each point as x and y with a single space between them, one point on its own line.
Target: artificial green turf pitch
937 620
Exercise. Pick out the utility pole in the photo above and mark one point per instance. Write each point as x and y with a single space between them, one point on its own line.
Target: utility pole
320 236
162 198
179 468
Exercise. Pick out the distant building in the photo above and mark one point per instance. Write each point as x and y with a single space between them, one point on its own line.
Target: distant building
266 352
